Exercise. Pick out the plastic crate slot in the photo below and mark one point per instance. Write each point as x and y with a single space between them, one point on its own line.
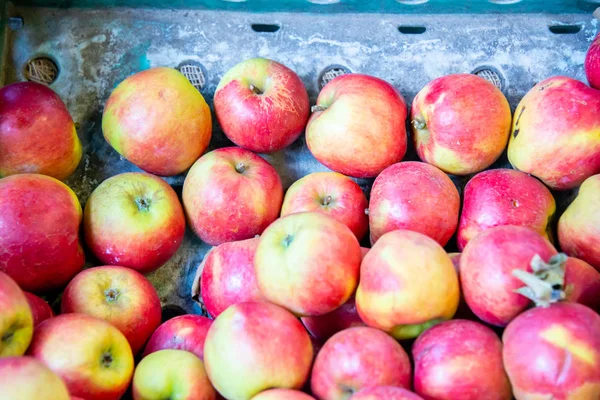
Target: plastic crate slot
194 72
565 29
411 29
265 28
41 69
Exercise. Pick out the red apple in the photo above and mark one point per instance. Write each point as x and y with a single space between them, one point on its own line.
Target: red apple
261 105
592 63
157 120
460 360
582 283
385 393
308 263
357 358
16 320
504 197
554 135
324 326
282 394
358 126
460 123
185 332
134 220
226 276
118 295
37 134
414 196
40 219
40 310
89 354
554 353
26 378
231 194
330 193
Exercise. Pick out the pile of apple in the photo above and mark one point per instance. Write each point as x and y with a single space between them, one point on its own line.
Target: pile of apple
298 309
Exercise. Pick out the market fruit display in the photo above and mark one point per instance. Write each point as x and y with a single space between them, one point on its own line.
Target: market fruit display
16 319
26 378
184 332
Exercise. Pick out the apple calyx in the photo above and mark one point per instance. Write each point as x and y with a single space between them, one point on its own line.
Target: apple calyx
256 90
143 203
317 108
112 295
106 359
240 168
419 124
287 240
325 201
546 285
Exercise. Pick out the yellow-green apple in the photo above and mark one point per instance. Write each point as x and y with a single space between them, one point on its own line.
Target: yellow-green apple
579 226
282 394
414 196
255 346
385 393
134 220
592 63
330 193
184 332
26 378
554 353
322 327
231 194
356 358
395 293
358 126
89 354
40 218
504 197
261 105
308 263
582 283
157 120
37 134
172 374
119 295
226 276
555 133
16 320
40 310
460 123
460 360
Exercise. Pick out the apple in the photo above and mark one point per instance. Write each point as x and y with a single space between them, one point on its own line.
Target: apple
324 326
554 134
118 295
261 105
460 123
37 134
592 63
554 353
157 120
356 358
308 263
40 219
385 393
89 354
172 374
231 194
134 220
40 310
414 196
396 294
582 283
504 197
460 360
16 320
185 332
26 378
282 394
358 126
255 346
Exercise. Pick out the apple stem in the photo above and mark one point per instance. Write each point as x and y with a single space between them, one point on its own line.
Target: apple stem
419 124
318 108
546 285
255 89
241 167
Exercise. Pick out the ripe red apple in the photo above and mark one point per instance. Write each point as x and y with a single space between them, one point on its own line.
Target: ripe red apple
172 374
460 360
282 394
308 263
261 105
40 219
185 332
330 193
157 120
254 346
16 320
357 358
226 276
463 311
385 393
119 295
504 197
554 134
26 378
358 126
231 194
554 353
460 123
592 63
37 134
414 196
396 293
582 283
324 326
134 220
91 356
40 310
